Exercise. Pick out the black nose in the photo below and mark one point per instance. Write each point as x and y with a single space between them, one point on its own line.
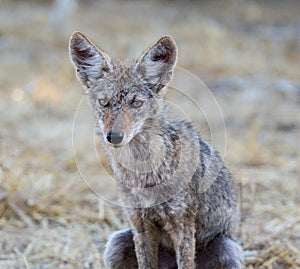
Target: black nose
114 137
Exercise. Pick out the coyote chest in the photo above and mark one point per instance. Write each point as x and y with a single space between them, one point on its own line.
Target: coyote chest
147 161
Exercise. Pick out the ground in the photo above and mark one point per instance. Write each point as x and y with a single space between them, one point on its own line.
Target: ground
246 52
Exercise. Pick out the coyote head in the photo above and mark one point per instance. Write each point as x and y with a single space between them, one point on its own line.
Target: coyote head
126 97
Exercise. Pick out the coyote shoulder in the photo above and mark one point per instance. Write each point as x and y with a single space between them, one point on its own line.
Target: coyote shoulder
178 194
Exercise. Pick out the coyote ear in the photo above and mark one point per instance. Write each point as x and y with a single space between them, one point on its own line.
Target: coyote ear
89 61
157 64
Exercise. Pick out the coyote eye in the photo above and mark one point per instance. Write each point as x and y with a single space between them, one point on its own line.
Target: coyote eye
137 103
103 102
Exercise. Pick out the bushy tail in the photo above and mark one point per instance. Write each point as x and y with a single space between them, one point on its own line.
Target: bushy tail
221 252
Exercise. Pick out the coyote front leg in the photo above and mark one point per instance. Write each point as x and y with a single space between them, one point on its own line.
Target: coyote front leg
146 241
184 245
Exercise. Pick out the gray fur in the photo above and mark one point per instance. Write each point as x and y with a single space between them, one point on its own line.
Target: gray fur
178 194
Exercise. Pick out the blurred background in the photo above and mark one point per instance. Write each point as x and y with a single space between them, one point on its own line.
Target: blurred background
246 52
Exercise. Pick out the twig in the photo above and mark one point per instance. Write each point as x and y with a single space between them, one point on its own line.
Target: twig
274 259
20 212
26 262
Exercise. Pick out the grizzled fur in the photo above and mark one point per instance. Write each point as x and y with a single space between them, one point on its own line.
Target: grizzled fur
177 192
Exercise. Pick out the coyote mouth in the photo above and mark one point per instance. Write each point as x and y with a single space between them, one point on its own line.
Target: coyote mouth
116 146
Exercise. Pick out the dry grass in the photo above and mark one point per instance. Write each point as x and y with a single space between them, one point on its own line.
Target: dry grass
249 56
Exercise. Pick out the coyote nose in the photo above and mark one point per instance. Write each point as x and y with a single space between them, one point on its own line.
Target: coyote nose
114 137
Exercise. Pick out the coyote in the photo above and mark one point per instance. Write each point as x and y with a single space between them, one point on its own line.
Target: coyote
176 190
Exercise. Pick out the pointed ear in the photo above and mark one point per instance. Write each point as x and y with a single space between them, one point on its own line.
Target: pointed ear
157 64
89 61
